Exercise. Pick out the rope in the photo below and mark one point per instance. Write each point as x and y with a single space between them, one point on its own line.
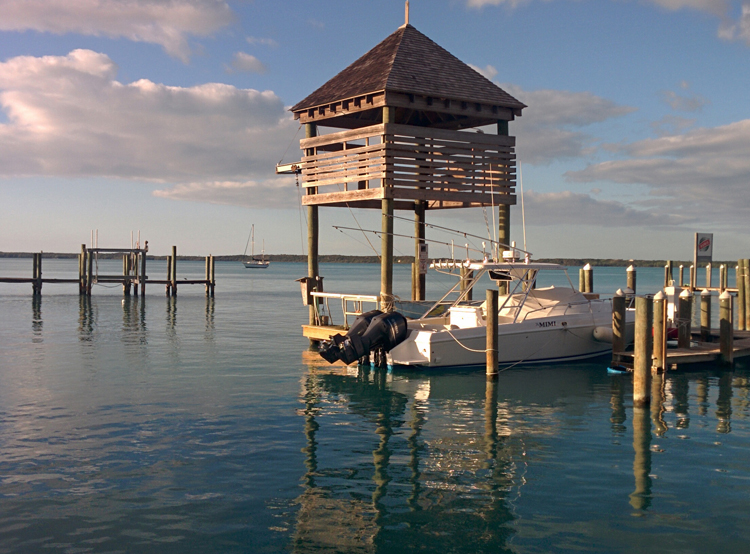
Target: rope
290 143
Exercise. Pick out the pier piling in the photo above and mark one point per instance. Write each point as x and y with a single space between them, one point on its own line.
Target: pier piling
685 319
618 323
642 359
492 296
726 331
746 281
705 315
740 280
631 278
660 332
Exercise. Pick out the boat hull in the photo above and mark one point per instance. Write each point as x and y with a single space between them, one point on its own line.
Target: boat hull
541 340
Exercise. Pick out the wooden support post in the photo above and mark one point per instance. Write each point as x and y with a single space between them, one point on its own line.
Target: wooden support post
682 275
126 274
174 271
581 281
491 304
705 315
618 324
668 274
693 282
313 271
722 278
419 278
631 278
143 277
213 275
386 256
169 276
82 270
709 276
208 275
89 273
740 280
642 355
660 332
588 277
746 279
685 319
726 331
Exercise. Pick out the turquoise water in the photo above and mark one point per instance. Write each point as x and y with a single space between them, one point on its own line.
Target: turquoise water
203 425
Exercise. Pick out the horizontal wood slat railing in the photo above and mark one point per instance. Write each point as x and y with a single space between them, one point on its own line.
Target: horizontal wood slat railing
415 162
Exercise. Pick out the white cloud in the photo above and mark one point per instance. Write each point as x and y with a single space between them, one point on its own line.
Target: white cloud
482 3
561 208
684 102
247 63
703 173
552 127
263 41
272 193
717 7
167 23
68 116
488 71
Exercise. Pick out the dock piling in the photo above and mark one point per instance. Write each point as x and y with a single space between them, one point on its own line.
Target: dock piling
726 331
492 296
685 319
741 292
643 351
660 332
746 280
630 272
618 323
705 315
682 275
174 271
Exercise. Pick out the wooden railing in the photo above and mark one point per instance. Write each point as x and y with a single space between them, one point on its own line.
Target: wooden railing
412 163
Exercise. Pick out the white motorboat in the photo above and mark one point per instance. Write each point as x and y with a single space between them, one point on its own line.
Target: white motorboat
535 325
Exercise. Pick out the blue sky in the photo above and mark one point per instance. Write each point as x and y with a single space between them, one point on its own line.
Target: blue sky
168 118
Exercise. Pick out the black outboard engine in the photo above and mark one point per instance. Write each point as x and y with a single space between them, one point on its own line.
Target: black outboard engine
370 331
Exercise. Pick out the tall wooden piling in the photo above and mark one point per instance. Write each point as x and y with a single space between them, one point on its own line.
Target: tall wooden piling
685 319
36 285
586 279
709 276
126 275
89 273
618 322
682 275
668 273
169 276
722 278
726 331
740 280
174 271
142 278
630 272
746 280
419 277
693 275
643 351
705 315
491 304
386 239
313 271
660 332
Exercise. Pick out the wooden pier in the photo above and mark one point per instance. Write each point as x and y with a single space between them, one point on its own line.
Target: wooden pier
133 278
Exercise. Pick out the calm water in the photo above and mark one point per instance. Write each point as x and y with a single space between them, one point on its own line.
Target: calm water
195 425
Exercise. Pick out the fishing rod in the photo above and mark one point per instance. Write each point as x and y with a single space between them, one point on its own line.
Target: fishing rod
462 233
380 233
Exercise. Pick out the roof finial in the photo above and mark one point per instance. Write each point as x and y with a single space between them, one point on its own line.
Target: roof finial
406 14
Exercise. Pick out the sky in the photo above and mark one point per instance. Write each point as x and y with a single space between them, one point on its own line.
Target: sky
166 119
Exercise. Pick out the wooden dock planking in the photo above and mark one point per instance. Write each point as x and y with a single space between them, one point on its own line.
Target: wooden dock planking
322 332
699 352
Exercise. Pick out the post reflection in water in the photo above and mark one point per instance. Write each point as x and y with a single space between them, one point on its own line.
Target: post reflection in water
681 388
658 397
85 319
724 404
134 329
640 498
618 417
36 318
424 487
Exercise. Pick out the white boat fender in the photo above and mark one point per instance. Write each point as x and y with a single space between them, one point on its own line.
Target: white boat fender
603 333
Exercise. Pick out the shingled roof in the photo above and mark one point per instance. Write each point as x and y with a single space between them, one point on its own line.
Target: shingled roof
409 62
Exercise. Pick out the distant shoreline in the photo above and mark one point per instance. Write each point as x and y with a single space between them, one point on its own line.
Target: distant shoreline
341 259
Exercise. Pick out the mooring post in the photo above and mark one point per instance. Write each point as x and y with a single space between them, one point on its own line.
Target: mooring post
174 271
685 319
581 281
693 282
82 270
709 277
419 280
746 280
668 274
36 286
213 275
643 350
89 272
740 280
722 278
660 332
631 277
618 324
169 275
491 303
588 272
705 315
682 275
143 270
726 331
208 275
126 274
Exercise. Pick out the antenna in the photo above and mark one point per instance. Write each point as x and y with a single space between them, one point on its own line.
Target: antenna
523 211
406 13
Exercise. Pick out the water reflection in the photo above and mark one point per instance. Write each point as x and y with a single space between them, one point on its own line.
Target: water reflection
724 404
640 498
86 319
658 399
134 330
36 319
422 487
617 397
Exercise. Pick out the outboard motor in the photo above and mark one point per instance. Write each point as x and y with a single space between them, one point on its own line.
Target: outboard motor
370 331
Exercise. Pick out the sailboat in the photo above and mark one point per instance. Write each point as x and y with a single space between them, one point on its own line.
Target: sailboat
255 262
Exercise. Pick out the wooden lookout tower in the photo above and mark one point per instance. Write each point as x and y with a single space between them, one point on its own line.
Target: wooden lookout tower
401 114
